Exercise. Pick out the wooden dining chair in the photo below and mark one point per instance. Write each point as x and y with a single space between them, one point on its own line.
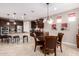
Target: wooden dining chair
59 40
46 33
0 37
37 42
50 45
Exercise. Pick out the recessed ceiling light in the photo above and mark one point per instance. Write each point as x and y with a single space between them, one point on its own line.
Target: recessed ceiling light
22 17
8 14
25 14
32 11
14 13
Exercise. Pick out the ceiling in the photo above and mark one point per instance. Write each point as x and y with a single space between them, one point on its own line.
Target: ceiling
33 10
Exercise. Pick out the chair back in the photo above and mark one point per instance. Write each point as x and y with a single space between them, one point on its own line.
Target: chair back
38 33
50 42
34 36
60 36
31 34
46 33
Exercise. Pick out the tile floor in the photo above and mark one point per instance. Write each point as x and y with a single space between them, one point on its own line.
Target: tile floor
27 49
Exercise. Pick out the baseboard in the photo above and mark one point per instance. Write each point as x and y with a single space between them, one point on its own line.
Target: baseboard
71 44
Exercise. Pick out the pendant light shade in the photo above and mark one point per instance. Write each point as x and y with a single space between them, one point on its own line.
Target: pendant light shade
14 23
8 23
50 21
44 20
14 14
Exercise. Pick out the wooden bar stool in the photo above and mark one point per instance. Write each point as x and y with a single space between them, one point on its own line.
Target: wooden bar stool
25 36
4 38
16 39
9 38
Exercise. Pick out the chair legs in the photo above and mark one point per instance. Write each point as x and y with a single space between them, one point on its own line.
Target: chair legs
44 52
35 48
24 39
61 47
27 39
55 52
48 52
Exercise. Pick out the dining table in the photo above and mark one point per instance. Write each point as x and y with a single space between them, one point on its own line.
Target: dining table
42 39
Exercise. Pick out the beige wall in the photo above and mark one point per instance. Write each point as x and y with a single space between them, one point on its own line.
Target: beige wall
70 34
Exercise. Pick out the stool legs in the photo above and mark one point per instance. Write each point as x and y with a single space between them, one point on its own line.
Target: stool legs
24 38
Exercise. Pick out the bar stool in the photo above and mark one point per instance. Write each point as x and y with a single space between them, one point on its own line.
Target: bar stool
25 36
9 38
5 39
16 38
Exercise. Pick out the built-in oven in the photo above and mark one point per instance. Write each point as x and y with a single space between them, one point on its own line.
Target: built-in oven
4 30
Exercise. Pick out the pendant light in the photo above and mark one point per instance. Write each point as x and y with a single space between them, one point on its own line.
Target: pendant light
14 18
8 23
49 20
23 17
14 23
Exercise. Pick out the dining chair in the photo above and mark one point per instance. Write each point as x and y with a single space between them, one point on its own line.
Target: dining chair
50 45
37 42
59 40
0 37
46 33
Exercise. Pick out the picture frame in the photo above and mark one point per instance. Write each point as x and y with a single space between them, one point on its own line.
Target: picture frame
54 27
64 26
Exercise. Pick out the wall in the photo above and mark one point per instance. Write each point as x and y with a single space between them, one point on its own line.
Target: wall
70 34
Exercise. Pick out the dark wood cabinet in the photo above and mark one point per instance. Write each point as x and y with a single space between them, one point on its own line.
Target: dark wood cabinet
33 24
3 23
40 25
77 39
37 23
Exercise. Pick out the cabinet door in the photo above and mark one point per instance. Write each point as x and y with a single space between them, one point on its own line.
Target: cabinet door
33 24
4 30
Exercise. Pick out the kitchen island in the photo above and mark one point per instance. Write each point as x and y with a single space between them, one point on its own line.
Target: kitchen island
20 35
